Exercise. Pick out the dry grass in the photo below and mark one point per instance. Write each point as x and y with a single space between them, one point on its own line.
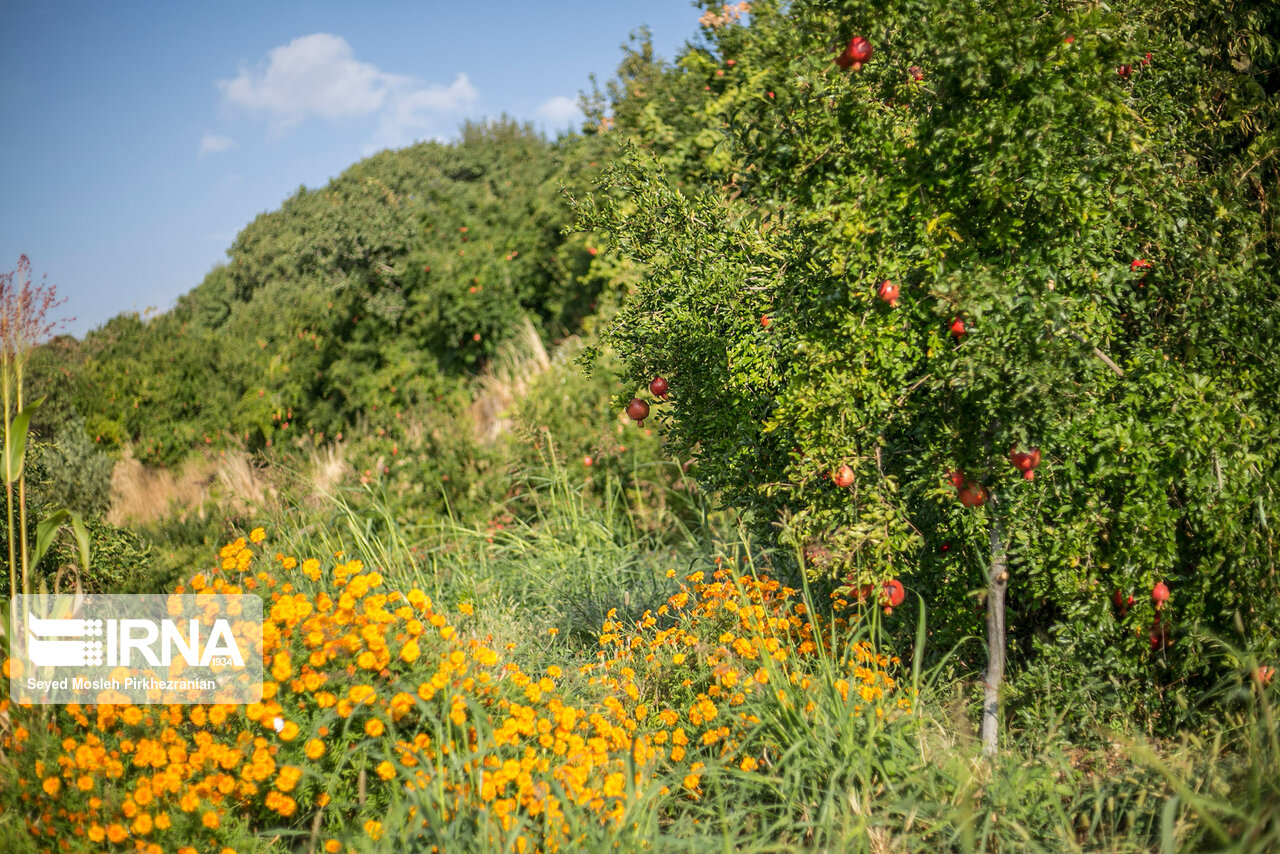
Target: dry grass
329 467
505 380
140 495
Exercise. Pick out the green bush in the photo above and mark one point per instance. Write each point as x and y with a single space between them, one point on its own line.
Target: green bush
79 471
1099 238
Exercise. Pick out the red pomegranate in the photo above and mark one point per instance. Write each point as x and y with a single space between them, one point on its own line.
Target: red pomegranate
637 410
843 477
888 292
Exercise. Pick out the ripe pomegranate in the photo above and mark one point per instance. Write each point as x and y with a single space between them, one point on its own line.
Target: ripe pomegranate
1160 593
659 387
888 292
764 321
893 592
587 461
957 328
857 52
1146 60
973 495
957 478
1025 462
843 477
637 410
1125 70
1069 39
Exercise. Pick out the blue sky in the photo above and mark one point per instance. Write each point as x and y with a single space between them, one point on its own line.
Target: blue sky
138 138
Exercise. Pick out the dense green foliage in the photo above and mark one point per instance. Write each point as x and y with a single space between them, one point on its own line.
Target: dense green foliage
1085 190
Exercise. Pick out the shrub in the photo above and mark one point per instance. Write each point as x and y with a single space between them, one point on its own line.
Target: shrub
79 472
1106 272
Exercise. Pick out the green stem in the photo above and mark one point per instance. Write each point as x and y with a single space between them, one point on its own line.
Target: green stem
8 485
22 492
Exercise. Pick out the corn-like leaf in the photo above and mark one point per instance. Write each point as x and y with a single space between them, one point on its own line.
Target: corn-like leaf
46 531
15 442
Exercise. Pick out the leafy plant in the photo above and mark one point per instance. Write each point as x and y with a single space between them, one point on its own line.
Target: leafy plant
1108 273
23 323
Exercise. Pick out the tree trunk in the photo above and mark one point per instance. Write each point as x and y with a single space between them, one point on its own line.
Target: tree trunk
997 584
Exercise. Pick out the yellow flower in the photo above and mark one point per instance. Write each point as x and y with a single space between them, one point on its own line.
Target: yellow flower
386 770
210 820
117 833
314 749
257 535
374 727
466 608
52 785
373 828
288 778
410 652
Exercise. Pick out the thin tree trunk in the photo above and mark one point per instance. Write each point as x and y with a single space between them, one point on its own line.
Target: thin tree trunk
997 584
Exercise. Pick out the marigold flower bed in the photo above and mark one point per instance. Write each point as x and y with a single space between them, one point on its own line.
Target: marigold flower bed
379 703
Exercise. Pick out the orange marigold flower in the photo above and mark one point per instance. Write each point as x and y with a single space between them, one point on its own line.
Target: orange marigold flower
314 749
410 652
210 820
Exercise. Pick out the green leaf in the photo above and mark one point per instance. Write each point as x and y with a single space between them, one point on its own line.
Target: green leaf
82 539
15 442
46 531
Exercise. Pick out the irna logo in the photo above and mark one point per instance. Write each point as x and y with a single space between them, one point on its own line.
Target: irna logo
100 648
66 642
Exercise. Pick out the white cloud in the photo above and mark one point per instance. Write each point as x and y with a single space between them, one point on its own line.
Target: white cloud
318 75
412 114
212 143
559 111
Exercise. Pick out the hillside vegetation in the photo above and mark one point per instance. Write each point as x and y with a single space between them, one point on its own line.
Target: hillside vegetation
953 330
